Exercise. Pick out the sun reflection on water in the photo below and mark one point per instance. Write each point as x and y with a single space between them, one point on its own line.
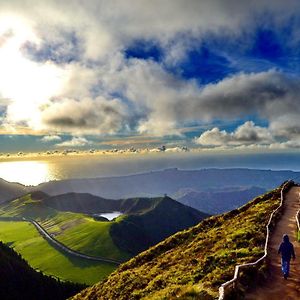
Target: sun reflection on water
25 172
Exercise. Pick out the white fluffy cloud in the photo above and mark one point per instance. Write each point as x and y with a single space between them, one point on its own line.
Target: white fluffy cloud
74 142
246 134
50 138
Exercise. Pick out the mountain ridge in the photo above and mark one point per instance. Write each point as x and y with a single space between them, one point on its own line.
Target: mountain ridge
158 183
145 221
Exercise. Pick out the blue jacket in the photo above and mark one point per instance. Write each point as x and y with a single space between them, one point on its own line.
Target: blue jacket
287 250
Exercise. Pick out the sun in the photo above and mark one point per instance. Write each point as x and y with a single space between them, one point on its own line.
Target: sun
36 172
26 83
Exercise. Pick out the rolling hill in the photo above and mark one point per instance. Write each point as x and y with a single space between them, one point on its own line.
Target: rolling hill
193 263
145 222
136 232
9 190
90 204
19 281
203 189
26 240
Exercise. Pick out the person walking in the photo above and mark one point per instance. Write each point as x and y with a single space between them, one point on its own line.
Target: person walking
286 249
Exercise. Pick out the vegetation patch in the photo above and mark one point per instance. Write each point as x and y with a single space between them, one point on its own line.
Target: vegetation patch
193 262
25 239
19 281
76 230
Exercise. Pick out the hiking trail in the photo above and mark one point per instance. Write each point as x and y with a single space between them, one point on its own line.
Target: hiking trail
276 287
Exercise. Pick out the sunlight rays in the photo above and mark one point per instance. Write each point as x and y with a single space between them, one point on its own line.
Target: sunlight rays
26 172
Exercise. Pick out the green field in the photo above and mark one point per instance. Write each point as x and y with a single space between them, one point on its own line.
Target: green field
77 231
84 234
25 239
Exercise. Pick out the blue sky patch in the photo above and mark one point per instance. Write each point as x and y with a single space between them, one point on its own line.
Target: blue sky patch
205 65
267 45
144 49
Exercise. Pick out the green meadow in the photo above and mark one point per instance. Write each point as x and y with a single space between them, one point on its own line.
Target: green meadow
26 240
84 234
77 231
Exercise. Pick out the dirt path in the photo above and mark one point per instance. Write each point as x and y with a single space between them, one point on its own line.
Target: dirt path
277 288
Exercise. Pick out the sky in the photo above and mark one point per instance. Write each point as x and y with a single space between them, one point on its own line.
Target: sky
210 74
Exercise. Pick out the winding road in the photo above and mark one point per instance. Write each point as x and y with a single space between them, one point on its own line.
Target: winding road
66 249
276 287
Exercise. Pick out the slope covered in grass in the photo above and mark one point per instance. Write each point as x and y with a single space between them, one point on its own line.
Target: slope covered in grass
75 230
84 234
165 217
192 264
19 281
25 239
10 190
149 221
157 218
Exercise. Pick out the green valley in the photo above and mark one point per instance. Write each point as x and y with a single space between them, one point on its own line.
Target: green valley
77 231
20 281
118 239
26 240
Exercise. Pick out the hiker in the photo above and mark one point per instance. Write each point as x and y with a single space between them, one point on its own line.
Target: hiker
286 250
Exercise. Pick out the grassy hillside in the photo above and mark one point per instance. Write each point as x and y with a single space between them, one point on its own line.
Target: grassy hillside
148 221
84 234
19 281
9 190
90 204
162 219
154 220
24 238
192 264
75 230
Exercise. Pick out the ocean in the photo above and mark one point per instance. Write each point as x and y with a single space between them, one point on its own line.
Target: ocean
38 170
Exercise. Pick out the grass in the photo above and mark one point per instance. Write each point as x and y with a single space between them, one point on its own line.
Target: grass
75 230
192 264
25 239
83 233
27 207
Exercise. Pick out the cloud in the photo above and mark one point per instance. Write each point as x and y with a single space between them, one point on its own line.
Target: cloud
87 116
4 37
73 76
75 142
4 102
267 94
286 125
50 138
246 134
166 102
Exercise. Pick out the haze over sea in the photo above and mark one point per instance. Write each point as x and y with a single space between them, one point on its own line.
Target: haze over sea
35 171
